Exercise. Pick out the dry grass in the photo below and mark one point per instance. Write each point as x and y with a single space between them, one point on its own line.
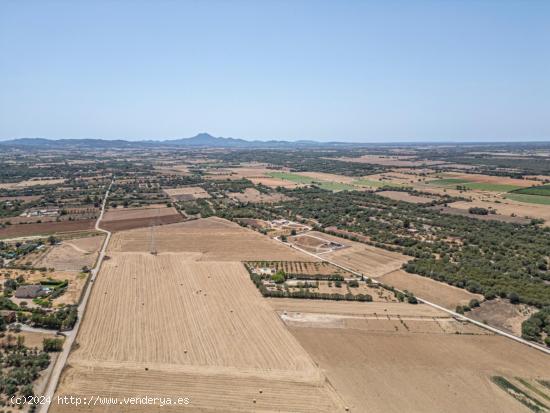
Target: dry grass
390 160
71 295
405 196
71 255
31 182
509 207
436 292
368 260
253 195
373 309
187 193
274 182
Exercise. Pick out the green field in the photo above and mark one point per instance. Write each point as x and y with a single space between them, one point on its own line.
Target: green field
542 190
530 199
288 176
479 186
300 179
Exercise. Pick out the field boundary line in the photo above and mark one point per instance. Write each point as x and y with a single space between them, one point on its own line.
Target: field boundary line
59 365
454 314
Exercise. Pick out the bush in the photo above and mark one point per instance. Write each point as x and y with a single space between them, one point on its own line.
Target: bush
52 344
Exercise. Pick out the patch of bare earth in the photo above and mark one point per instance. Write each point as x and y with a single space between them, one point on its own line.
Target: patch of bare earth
502 314
130 218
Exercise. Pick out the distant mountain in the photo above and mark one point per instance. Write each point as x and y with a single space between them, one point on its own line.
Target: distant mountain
202 140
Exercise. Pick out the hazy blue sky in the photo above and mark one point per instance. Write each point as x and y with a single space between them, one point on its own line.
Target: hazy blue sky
343 70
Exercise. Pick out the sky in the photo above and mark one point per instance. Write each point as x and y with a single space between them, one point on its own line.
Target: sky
362 71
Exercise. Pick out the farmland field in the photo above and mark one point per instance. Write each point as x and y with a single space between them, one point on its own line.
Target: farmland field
542 190
530 199
130 218
210 239
406 197
302 268
176 333
509 206
71 255
405 371
45 228
366 259
187 193
253 195
480 186
434 291
375 184
306 180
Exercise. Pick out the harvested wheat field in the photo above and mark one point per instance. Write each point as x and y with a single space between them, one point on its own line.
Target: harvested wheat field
366 259
165 326
71 255
382 310
395 372
31 182
509 207
253 195
488 217
274 182
390 160
405 196
210 239
436 292
187 193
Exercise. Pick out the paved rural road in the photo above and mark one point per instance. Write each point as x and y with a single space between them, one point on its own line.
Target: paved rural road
457 315
71 335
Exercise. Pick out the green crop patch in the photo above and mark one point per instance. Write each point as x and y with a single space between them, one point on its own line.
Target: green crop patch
530 199
479 186
300 179
542 190
518 394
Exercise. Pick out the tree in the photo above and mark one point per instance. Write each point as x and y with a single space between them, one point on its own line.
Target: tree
514 298
52 344
278 277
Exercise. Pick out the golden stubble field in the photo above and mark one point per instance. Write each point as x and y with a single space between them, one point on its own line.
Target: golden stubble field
434 291
210 239
395 357
167 325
